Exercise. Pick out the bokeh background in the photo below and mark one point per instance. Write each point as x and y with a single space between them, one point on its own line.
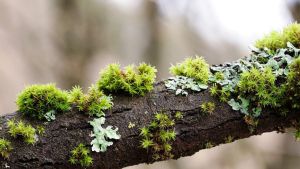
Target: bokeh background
69 41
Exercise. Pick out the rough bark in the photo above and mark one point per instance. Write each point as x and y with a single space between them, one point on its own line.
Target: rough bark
193 131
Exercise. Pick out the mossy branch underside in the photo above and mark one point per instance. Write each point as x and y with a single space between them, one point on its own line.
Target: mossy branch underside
193 131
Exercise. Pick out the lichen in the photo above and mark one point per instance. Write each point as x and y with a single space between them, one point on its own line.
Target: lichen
183 85
102 137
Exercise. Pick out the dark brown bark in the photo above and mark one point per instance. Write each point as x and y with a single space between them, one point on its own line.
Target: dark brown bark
193 131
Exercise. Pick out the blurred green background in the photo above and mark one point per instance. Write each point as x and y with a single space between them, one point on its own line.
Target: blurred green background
69 41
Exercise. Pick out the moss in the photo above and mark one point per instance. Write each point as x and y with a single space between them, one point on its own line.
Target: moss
272 41
229 139
259 87
209 145
5 148
158 137
196 68
178 115
293 85
133 80
81 155
38 100
208 107
40 130
222 93
26 131
291 34
95 102
277 40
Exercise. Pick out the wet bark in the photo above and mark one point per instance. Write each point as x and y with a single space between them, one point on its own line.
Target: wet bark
193 131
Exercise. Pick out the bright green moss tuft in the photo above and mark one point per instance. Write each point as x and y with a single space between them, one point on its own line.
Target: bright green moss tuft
291 34
26 131
196 68
272 41
133 80
5 148
277 40
208 107
293 84
93 103
38 100
81 155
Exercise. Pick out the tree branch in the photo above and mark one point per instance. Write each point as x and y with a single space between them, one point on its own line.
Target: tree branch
193 131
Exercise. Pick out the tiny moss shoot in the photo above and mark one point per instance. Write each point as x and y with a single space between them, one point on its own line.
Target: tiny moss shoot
134 80
178 115
209 145
195 68
208 107
81 155
229 139
223 93
158 137
26 131
94 103
38 100
40 130
5 148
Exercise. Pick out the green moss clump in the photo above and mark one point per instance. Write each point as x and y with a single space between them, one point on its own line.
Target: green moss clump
208 107
277 40
5 148
158 137
293 85
259 87
38 100
133 80
26 131
272 41
93 103
81 155
196 68
291 34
